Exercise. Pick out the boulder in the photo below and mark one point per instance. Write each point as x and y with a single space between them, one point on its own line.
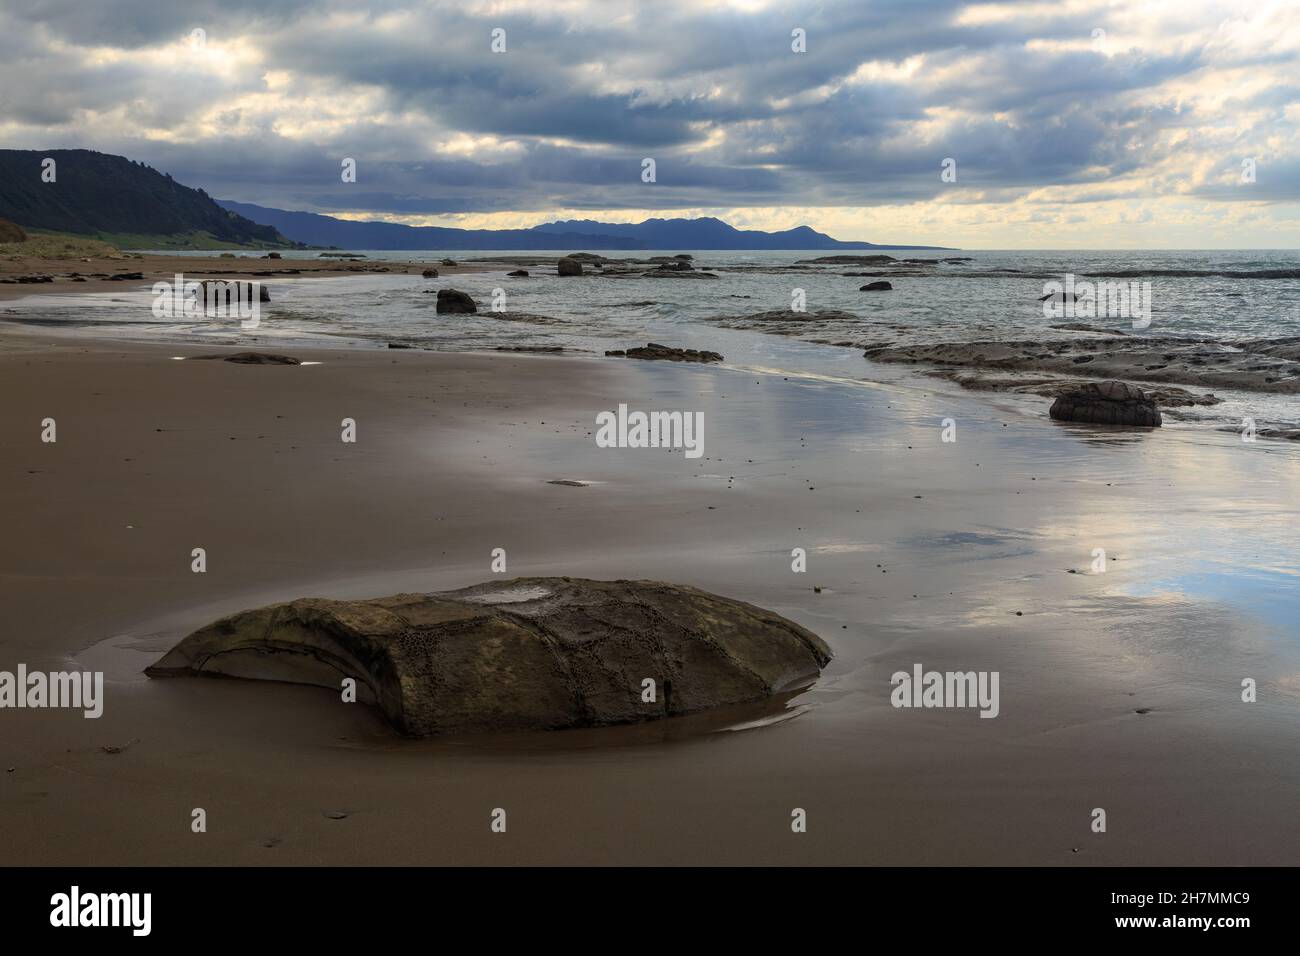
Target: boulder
273 255
876 287
569 266
518 274
525 654
430 273
455 302
11 232
1107 403
447 262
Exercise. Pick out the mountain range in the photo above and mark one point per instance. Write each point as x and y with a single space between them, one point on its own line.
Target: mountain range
704 233
136 206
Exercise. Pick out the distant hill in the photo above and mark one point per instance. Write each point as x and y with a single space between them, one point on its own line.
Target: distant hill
114 198
317 230
706 233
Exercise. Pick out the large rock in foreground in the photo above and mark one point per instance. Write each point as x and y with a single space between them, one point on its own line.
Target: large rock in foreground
529 653
1107 403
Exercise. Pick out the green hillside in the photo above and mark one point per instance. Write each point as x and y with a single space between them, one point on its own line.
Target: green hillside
116 200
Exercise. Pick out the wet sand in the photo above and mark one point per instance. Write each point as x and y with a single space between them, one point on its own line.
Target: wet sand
954 555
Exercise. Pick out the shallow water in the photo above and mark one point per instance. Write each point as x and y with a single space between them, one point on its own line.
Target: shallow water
959 302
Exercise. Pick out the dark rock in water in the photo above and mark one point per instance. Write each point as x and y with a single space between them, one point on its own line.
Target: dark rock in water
399 345
876 287
526 654
429 274
569 266
127 276
871 260
273 255
677 273
455 302
250 358
1059 297
518 274
618 352
447 262
1107 403
11 232
671 354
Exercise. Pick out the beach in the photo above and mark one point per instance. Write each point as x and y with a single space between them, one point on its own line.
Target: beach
1120 689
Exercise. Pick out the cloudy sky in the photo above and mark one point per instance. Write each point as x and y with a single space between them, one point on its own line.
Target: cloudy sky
1072 124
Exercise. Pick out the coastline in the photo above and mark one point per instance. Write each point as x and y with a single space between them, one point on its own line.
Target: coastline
954 555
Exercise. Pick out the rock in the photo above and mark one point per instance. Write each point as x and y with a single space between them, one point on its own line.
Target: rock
876 287
430 273
675 273
569 266
11 232
250 358
127 276
525 654
455 302
671 354
852 260
518 274
448 262
1107 403
273 255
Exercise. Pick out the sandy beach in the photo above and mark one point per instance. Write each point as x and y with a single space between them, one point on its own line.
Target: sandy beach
1119 690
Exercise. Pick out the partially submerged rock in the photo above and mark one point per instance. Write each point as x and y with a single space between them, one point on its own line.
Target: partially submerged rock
429 274
455 302
1107 403
250 358
530 653
880 286
569 266
667 353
